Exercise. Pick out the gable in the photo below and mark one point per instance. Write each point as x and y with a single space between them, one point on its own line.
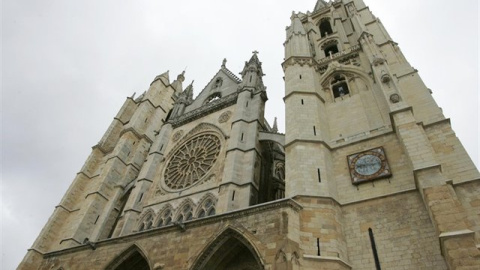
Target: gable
222 84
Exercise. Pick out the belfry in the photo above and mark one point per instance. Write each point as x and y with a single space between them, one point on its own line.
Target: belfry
368 175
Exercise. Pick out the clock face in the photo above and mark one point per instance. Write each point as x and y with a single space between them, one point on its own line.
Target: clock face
368 165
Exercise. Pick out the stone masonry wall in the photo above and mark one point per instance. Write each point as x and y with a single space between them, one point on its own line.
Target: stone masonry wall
404 234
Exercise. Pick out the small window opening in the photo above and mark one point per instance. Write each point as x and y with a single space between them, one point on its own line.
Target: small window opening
250 78
233 195
161 147
302 101
218 83
318 246
325 28
374 249
319 176
241 138
246 105
146 119
141 196
339 86
169 114
300 77
96 220
314 131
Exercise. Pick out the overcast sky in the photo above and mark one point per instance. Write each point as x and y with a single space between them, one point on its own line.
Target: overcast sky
67 67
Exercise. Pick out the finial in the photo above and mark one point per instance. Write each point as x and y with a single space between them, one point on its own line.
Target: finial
275 126
255 52
224 62
181 77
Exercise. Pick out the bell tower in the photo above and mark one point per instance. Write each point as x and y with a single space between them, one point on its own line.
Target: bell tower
363 133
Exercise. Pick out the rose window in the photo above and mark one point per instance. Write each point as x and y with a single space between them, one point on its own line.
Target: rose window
192 161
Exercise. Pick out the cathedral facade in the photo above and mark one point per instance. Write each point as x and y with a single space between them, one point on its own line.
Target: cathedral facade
368 175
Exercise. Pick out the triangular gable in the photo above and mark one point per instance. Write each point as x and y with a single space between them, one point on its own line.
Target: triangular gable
228 85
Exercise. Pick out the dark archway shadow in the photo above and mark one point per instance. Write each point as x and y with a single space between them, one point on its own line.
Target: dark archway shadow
132 258
229 251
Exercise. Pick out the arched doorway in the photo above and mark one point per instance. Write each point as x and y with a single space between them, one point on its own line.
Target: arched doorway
131 259
230 251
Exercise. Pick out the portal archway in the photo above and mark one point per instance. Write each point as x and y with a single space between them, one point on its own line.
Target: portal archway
131 258
230 251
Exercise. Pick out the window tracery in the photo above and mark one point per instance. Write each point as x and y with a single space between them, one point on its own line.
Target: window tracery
146 223
207 208
165 218
192 161
185 214
213 97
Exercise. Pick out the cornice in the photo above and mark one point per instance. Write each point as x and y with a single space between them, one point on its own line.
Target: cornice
256 209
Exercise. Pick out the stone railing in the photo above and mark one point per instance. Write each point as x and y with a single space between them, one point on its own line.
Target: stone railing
335 56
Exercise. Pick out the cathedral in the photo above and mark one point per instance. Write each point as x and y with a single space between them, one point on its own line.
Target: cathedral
368 175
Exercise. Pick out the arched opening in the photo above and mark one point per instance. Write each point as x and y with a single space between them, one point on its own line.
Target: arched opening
213 97
339 86
331 49
207 208
229 252
130 259
325 28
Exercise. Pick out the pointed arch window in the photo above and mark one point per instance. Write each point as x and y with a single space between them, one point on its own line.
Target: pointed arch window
146 223
325 28
339 86
207 208
165 218
185 214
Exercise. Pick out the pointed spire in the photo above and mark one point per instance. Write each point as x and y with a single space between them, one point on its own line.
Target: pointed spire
181 77
297 43
189 93
296 26
320 4
252 73
275 126
164 77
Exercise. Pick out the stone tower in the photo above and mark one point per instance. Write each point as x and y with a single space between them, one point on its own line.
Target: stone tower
369 154
369 174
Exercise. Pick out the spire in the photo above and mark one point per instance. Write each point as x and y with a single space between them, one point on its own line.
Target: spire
296 27
186 97
275 126
320 4
164 77
297 43
189 93
252 73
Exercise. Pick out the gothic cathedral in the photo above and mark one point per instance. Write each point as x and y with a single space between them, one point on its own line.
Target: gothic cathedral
368 175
